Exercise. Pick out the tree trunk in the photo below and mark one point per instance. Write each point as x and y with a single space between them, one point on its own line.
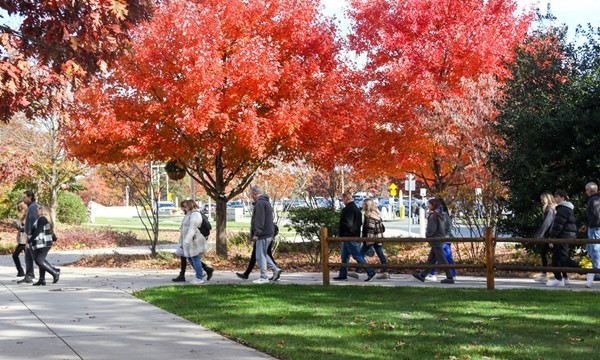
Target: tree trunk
221 219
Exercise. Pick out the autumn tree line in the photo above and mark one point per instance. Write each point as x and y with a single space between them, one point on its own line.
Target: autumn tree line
463 94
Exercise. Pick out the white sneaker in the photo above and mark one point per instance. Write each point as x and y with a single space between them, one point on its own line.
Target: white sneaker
260 281
431 277
541 279
556 283
382 276
196 281
567 281
353 274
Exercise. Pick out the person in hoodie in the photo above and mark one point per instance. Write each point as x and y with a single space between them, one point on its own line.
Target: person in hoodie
563 227
592 226
262 231
436 228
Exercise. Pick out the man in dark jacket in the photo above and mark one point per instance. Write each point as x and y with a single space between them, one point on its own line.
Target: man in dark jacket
592 224
350 223
32 216
564 227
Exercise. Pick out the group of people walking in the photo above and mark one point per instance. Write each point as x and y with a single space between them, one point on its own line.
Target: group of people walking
351 221
560 223
192 243
35 236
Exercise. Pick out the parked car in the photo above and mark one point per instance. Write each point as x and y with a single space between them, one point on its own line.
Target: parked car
168 208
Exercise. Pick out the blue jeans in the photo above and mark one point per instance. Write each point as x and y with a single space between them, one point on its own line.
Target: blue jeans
351 248
196 262
378 250
594 249
448 254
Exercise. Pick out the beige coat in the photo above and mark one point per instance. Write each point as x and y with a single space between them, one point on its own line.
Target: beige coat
190 239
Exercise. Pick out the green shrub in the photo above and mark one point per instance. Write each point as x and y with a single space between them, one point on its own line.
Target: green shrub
307 223
71 209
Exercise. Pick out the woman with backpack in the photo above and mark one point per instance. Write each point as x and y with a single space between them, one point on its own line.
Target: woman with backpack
436 228
21 237
192 243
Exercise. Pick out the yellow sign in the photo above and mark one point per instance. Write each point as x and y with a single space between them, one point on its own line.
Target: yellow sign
170 196
393 188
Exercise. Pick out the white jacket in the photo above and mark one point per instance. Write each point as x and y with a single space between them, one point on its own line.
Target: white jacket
191 240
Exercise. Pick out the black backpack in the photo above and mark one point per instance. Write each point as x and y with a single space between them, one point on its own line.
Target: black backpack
205 227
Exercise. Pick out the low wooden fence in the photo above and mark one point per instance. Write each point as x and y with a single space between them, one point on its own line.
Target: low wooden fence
488 263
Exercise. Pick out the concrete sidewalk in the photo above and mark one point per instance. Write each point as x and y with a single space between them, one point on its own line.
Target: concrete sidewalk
91 314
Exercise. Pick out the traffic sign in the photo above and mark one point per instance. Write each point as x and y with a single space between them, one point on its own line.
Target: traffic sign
393 189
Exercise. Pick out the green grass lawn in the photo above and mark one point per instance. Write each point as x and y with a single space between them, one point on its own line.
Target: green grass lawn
345 322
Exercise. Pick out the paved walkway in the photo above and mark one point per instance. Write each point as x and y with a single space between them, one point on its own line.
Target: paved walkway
91 313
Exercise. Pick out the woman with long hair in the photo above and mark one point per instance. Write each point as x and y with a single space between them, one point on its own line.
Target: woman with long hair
42 238
183 262
436 228
549 212
19 224
192 242
372 229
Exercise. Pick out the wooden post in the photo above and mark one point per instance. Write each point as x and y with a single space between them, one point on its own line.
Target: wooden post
489 257
325 256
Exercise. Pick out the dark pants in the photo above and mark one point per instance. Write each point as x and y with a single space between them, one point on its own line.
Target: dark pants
364 249
252 262
29 262
436 255
544 250
40 260
20 248
560 258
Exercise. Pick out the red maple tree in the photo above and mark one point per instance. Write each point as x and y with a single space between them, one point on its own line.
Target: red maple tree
48 43
420 53
222 86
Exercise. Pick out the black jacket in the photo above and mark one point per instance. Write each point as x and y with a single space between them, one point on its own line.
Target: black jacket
350 221
593 211
565 223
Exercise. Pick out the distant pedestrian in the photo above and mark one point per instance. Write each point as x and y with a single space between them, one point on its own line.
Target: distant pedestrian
592 225
32 216
183 260
549 211
42 238
262 231
19 224
445 212
436 228
246 274
350 224
192 242
563 227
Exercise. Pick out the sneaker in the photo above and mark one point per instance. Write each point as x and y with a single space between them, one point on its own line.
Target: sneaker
566 281
418 277
431 277
276 275
447 281
353 274
556 283
209 273
340 278
370 277
382 276
26 280
242 276
196 281
261 281
541 279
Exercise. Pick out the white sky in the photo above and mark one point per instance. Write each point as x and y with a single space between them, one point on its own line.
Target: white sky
569 12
